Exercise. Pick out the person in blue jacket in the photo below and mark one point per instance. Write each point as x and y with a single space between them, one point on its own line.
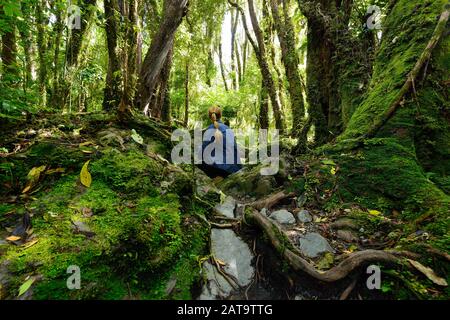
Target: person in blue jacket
219 137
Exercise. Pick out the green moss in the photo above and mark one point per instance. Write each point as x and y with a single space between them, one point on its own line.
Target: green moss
139 234
128 173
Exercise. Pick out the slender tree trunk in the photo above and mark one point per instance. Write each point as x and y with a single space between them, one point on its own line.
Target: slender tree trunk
222 67
234 24
112 91
174 11
27 43
244 57
41 44
58 31
239 64
264 66
289 57
132 33
166 113
186 95
263 107
73 48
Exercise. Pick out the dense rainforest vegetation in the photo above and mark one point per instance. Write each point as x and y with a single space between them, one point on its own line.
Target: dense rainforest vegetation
91 91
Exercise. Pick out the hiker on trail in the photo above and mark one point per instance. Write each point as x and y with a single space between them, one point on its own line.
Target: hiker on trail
219 137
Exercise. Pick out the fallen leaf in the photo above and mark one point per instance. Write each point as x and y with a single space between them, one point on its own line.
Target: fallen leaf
136 137
30 244
429 273
329 162
374 212
85 176
33 177
13 238
57 170
319 220
25 286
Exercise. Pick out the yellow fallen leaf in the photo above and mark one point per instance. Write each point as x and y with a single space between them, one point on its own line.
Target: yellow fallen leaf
26 189
13 238
30 244
33 177
374 212
57 170
85 176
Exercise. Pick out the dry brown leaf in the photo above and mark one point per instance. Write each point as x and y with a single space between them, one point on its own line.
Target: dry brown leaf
429 273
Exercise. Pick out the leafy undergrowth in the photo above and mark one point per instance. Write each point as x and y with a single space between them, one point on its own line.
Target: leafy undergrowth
133 232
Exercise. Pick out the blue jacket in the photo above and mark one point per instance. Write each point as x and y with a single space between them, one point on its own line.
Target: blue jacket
228 166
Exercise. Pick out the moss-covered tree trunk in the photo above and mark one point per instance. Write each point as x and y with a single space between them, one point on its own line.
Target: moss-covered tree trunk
289 57
395 151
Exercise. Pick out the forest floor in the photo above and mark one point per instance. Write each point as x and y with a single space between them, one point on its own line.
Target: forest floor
85 191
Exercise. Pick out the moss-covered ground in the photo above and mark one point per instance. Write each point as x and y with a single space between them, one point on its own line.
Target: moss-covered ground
133 233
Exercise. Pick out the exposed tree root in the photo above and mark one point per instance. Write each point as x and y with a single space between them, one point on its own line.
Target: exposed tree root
272 200
292 255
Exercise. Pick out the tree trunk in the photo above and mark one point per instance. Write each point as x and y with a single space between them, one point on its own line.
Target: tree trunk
27 44
289 57
234 24
222 67
402 128
260 51
132 34
58 31
9 53
112 92
263 108
41 22
186 95
174 11
73 48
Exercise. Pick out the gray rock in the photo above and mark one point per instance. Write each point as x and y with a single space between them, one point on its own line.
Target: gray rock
227 207
344 223
264 186
304 216
81 227
216 286
227 247
313 245
283 216
347 235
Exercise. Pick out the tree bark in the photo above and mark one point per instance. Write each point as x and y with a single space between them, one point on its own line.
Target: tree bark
260 51
289 57
222 67
186 95
234 24
112 91
41 22
263 107
174 11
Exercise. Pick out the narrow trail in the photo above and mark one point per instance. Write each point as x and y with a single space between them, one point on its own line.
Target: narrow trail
243 265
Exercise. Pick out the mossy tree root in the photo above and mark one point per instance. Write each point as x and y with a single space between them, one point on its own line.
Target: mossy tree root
292 255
